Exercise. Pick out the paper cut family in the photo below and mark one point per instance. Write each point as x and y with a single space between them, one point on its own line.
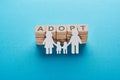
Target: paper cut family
74 41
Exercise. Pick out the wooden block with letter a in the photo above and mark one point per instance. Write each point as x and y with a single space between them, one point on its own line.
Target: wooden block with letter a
39 41
40 31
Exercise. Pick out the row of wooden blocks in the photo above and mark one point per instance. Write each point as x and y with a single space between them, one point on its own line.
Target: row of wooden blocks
61 33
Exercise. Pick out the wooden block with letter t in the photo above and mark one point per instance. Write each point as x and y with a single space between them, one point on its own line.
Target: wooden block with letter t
84 41
83 36
83 32
82 29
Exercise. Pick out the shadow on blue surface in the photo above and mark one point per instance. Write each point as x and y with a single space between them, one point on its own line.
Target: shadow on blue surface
42 52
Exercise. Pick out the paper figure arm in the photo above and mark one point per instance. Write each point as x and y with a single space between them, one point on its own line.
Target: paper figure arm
54 43
79 40
69 42
44 41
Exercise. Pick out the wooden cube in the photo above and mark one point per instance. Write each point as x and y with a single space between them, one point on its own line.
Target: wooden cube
83 29
62 29
61 37
40 31
84 40
61 40
61 32
83 36
53 30
68 40
68 36
39 41
70 28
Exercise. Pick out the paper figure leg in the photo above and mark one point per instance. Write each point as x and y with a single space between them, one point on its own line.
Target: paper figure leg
50 50
73 49
47 51
77 49
57 52
66 51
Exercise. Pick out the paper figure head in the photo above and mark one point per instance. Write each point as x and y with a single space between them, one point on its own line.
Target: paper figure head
74 32
58 42
48 34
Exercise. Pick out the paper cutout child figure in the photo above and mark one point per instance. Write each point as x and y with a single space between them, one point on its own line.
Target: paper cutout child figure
65 47
74 41
59 48
49 42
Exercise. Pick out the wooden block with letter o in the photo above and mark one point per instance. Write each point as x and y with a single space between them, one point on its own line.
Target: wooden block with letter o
61 32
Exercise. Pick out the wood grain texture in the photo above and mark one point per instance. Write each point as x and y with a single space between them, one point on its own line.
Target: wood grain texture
61 33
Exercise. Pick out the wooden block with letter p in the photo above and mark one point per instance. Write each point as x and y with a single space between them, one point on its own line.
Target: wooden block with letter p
69 30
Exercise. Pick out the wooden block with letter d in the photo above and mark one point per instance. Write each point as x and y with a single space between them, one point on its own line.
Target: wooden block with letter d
53 30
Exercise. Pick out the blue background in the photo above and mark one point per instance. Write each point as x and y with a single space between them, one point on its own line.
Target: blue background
21 59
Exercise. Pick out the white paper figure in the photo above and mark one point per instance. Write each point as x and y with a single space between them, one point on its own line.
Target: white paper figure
58 48
74 41
49 43
65 48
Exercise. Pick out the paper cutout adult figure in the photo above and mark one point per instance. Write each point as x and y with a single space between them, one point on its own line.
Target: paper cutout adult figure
74 41
49 42
65 47
59 48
